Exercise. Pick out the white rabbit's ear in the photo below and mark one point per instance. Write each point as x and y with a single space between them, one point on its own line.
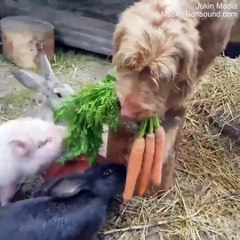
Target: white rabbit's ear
32 81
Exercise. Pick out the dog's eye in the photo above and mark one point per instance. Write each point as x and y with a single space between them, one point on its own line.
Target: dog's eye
107 172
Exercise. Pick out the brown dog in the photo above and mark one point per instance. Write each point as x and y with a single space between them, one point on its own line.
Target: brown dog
161 49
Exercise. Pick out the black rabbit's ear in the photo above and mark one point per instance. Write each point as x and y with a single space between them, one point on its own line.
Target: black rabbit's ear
67 188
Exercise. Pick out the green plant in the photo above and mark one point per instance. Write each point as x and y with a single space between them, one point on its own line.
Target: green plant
85 113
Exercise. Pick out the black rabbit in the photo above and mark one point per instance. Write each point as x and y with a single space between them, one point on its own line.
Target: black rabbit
71 207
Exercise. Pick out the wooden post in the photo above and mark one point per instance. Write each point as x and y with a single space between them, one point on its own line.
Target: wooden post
19 37
119 145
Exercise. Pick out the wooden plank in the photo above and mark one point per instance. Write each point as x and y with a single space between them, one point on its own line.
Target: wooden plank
235 34
104 10
86 24
85 41
71 28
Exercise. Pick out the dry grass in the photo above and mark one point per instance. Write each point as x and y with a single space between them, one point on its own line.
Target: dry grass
205 201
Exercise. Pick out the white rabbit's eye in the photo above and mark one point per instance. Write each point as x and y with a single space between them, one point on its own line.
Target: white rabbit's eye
107 172
59 95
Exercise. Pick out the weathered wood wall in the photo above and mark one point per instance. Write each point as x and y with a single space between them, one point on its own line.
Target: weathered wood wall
85 24
105 10
235 35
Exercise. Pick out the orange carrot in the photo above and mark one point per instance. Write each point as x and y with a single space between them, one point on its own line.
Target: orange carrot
134 165
133 168
158 156
147 160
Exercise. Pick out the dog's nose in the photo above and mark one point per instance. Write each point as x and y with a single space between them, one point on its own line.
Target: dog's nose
127 113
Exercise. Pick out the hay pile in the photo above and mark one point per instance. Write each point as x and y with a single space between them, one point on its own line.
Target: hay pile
205 201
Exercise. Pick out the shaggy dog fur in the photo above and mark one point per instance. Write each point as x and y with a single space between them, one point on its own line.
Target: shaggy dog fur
161 52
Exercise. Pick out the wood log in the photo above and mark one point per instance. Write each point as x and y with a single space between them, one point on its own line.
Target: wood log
19 37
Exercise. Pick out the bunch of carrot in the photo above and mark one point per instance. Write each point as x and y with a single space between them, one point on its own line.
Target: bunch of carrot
146 159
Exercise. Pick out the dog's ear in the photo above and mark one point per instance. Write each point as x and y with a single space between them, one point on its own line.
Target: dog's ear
118 35
188 70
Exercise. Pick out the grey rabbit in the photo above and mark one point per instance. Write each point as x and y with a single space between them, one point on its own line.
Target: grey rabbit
68 208
51 90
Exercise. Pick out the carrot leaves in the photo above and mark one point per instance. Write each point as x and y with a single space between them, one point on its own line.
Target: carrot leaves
85 113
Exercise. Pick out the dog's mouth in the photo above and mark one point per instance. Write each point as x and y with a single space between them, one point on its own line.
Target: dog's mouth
138 116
